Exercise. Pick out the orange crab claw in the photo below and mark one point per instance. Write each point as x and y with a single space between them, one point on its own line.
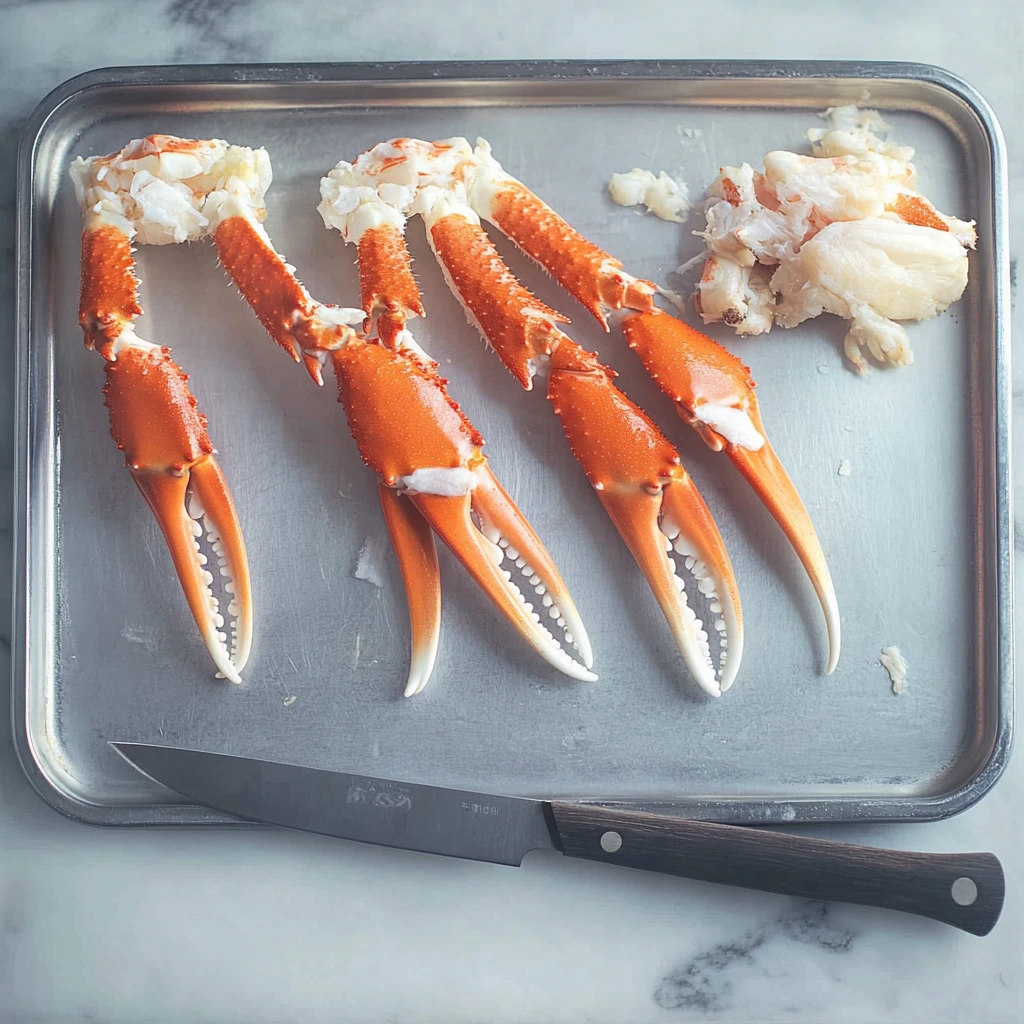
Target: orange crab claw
413 543
655 507
713 392
433 454
156 423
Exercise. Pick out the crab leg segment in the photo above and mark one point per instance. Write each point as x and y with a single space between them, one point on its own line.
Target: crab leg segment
306 329
156 422
590 275
634 470
109 300
712 388
520 329
388 289
715 395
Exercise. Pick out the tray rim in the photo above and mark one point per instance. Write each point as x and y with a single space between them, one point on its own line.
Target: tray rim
806 810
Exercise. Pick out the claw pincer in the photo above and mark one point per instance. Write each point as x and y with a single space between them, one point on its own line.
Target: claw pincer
434 461
713 392
156 423
639 479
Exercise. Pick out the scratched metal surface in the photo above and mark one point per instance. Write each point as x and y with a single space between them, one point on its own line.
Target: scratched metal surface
915 536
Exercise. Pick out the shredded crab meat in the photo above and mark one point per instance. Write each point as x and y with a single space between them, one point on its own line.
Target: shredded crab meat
406 177
842 231
896 665
370 561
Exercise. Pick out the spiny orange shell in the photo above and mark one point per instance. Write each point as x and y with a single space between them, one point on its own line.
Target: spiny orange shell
615 441
266 284
685 363
517 325
153 417
584 270
400 414
109 296
385 272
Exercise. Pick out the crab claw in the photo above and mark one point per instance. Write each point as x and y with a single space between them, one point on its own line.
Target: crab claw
713 392
155 421
655 507
432 454
482 550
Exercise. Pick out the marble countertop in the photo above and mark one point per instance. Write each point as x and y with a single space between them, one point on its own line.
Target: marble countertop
180 925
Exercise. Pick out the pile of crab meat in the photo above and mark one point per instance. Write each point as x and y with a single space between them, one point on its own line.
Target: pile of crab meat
843 231
162 190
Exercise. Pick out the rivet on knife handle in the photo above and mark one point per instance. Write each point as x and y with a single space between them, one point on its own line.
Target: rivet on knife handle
964 890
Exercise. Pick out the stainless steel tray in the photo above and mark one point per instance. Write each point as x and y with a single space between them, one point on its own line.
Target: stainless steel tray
918 538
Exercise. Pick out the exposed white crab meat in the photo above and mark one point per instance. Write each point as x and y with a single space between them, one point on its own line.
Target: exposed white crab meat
853 130
896 665
737 295
741 227
661 194
873 272
172 190
444 480
843 231
817 190
732 422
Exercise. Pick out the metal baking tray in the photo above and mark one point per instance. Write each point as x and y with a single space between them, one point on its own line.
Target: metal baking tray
918 537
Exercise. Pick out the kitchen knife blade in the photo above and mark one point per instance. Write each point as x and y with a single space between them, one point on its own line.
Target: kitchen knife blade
963 890
450 822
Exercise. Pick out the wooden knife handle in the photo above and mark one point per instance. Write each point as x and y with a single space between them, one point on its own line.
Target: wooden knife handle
965 890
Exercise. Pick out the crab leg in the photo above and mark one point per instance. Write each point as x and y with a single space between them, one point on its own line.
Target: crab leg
410 432
156 422
712 389
634 470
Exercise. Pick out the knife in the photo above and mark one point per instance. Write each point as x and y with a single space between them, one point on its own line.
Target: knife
964 890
